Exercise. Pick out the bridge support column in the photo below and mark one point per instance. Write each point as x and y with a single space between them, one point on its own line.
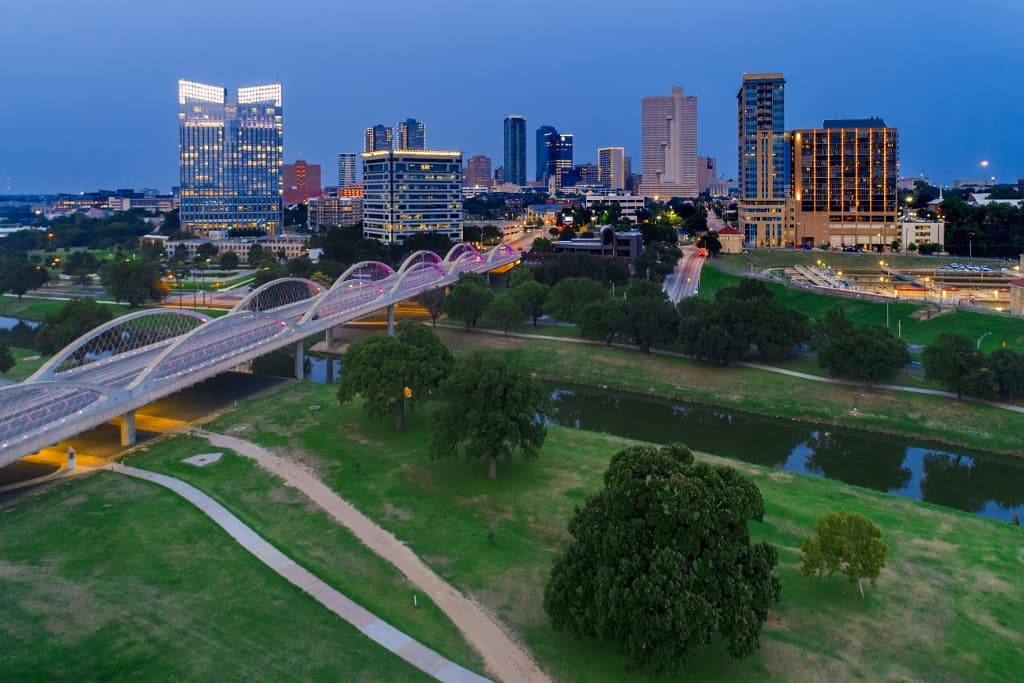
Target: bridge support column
391 320
128 429
300 360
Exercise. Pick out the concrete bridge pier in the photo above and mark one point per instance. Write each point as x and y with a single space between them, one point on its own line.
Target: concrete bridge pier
128 429
300 360
391 320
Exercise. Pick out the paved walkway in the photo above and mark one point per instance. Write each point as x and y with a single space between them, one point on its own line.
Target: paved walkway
504 658
757 366
376 629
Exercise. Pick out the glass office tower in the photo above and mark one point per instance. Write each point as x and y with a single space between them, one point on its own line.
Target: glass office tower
410 134
547 137
230 158
515 150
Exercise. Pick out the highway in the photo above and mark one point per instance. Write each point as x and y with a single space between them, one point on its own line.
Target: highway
685 279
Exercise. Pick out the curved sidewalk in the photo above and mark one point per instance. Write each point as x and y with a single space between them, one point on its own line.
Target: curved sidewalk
376 629
502 656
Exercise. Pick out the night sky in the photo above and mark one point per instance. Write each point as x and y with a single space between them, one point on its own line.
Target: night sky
90 86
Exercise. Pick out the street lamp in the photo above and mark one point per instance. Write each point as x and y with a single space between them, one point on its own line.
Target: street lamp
982 337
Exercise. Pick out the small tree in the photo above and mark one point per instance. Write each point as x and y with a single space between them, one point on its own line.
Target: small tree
952 360
505 312
133 281
433 301
467 301
660 561
69 322
603 319
519 276
531 297
6 359
228 260
845 542
491 410
206 250
571 294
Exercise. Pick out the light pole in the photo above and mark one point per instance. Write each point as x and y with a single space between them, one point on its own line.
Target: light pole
970 246
982 337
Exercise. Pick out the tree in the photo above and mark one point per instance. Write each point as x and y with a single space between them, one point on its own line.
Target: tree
603 319
570 295
519 276
1008 367
69 322
229 260
711 242
256 255
504 311
18 276
531 296
492 410
133 281
951 359
467 300
868 353
433 301
6 359
381 369
206 250
660 560
650 318
845 542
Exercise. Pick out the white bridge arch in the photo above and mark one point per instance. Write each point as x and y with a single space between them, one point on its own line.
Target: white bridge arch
142 356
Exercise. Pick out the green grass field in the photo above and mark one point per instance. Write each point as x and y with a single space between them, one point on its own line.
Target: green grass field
759 259
1003 328
945 608
929 418
23 368
106 578
307 535
29 308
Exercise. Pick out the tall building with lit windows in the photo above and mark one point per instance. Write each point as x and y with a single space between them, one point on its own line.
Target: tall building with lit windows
409 192
515 150
410 134
230 158
844 184
346 170
669 145
765 210
377 138
611 167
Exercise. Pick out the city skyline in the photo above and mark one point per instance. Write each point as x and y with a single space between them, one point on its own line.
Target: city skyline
129 141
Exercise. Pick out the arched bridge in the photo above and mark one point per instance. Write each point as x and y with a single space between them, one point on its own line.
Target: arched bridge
142 356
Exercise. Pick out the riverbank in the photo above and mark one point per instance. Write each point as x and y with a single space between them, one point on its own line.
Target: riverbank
929 418
944 606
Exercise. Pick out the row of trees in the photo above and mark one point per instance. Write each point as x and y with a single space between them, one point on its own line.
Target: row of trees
954 361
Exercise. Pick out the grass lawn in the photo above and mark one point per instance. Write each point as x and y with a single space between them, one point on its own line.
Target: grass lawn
103 577
305 533
929 418
945 609
1003 328
759 259
29 308
23 368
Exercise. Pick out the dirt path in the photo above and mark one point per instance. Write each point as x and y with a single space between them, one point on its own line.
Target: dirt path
504 658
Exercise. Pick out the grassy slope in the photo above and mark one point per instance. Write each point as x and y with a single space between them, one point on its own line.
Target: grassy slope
306 534
760 259
926 417
944 609
1003 328
104 577
23 368
36 309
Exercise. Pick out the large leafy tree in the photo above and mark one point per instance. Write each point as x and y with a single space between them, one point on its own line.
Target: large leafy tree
18 276
953 361
660 561
468 300
844 542
531 297
133 280
385 371
6 359
571 294
603 319
492 410
433 301
1008 367
69 322
868 353
505 312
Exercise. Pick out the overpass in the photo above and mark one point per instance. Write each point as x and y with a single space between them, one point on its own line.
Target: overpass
135 359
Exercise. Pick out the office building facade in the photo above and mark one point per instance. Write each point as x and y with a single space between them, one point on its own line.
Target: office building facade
844 184
230 157
378 138
707 170
346 170
329 211
611 167
669 145
515 150
408 192
410 134
765 210
301 181
478 172
547 137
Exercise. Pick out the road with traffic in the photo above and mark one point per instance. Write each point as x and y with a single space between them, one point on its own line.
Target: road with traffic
685 279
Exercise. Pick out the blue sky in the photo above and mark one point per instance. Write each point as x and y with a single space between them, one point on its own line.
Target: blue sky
90 85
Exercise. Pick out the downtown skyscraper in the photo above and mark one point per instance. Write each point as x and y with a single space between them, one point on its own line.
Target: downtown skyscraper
669 145
230 156
515 150
410 134
611 167
377 138
346 170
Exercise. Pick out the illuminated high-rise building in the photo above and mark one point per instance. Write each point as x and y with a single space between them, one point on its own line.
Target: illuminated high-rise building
301 181
515 150
410 134
669 145
611 167
346 170
478 172
230 158
409 192
547 139
378 138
